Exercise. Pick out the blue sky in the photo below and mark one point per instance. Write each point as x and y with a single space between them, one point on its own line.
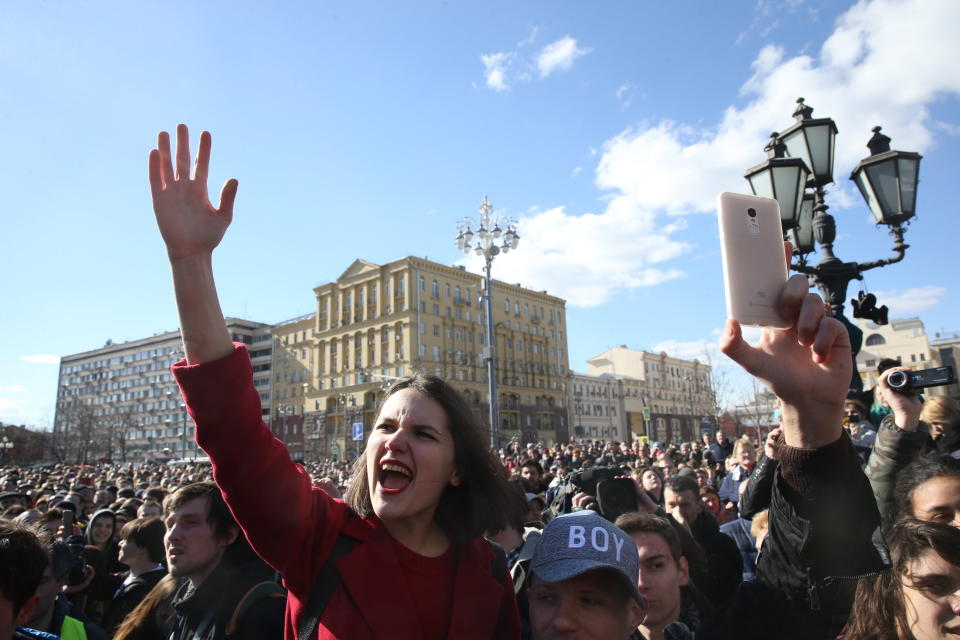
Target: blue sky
362 129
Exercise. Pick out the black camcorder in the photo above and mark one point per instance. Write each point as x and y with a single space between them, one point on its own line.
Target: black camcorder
615 495
905 381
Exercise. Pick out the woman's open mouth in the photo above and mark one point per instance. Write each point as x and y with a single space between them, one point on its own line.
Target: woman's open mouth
394 477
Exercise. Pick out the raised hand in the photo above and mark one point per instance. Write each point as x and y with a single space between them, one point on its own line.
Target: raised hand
807 366
191 228
189 223
770 444
906 406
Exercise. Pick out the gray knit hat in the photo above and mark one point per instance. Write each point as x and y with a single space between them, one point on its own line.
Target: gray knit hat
582 541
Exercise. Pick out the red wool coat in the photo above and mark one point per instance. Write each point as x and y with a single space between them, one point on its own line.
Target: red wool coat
293 525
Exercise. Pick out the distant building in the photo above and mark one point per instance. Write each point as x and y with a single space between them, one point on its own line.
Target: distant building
903 339
946 348
378 323
623 384
120 402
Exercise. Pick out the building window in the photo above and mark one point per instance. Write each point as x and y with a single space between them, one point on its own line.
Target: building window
446 289
874 339
423 283
435 289
436 354
506 305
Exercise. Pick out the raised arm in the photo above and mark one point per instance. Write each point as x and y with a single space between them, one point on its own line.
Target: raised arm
823 520
899 442
808 366
192 228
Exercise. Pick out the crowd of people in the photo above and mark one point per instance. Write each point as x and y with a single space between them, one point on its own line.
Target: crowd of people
831 526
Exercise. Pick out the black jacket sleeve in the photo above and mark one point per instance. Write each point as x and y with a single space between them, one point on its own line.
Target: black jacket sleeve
756 497
824 536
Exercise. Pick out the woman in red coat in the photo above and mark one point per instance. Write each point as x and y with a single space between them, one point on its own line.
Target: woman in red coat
421 496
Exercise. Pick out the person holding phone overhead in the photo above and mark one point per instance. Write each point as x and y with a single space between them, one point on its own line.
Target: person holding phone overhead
404 557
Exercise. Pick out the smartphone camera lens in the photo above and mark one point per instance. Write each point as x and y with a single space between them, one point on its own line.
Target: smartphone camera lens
752 212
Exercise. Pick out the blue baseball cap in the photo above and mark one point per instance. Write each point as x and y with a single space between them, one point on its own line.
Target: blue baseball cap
582 541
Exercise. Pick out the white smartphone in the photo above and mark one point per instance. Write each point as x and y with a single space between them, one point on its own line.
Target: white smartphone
754 267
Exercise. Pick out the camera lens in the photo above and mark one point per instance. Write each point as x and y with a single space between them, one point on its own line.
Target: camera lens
752 212
897 380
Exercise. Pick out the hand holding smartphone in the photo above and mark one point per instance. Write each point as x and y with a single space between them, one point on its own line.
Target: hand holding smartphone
754 270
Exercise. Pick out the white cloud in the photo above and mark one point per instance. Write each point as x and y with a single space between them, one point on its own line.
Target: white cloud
705 350
14 389
653 171
529 39
10 408
495 69
587 258
903 302
576 171
41 358
559 55
672 167
625 94
504 69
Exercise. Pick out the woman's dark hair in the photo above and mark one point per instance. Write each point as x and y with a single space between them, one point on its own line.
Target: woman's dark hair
924 468
482 499
878 611
147 533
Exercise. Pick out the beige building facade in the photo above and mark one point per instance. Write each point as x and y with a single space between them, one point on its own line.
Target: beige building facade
657 396
378 323
902 339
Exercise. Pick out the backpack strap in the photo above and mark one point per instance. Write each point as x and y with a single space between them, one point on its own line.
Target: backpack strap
256 593
327 581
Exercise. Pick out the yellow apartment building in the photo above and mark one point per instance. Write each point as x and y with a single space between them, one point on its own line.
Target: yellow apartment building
378 323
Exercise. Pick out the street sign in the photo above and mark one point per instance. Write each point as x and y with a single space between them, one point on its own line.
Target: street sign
335 449
646 413
358 431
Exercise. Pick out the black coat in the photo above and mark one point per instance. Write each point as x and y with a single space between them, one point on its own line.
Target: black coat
725 566
205 612
128 596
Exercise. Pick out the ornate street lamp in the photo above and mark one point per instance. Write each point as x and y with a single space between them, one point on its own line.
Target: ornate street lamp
490 241
782 179
801 235
813 141
887 180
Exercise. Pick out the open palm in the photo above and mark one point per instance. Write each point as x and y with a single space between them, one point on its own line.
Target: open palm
190 225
